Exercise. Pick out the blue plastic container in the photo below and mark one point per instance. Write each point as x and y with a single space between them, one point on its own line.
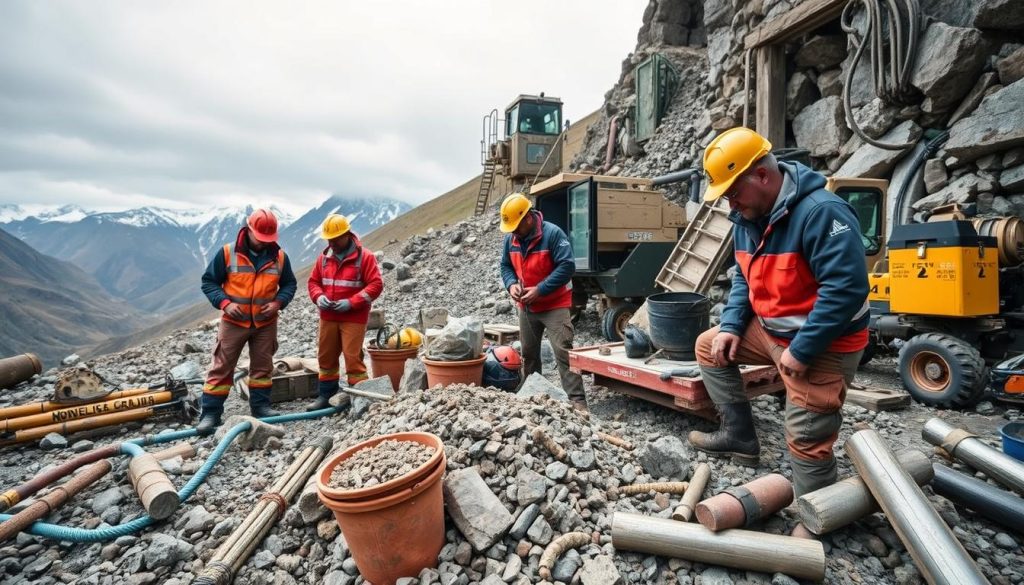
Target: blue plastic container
1013 439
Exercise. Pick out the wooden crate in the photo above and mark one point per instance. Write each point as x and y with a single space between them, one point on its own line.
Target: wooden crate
500 333
293 386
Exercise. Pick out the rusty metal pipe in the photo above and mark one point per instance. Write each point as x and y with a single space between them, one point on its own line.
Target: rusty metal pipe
48 405
16 369
53 500
744 505
85 411
11 497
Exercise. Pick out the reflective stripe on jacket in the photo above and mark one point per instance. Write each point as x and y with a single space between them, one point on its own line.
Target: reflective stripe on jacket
249 286
546 262
355 277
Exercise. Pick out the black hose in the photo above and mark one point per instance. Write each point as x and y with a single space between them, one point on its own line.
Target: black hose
675 177
930 148
999 506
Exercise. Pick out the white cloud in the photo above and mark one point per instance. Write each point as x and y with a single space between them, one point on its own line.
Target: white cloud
117 104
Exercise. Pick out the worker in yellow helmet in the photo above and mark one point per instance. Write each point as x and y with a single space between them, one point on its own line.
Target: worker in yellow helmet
537 265
798 302
343 285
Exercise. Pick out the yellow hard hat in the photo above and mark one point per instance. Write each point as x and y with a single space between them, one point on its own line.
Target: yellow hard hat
513 209
405 338
728 156
335 225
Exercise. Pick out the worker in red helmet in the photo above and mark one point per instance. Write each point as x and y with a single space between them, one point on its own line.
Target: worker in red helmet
249 280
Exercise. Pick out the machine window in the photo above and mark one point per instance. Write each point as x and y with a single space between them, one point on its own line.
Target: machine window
868 206
538 118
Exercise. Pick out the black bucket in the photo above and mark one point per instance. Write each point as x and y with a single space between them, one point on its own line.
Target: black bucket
677 318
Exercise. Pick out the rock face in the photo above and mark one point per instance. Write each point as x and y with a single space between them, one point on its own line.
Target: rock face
948 64
873 162
820 127
996 125
999 14
476 511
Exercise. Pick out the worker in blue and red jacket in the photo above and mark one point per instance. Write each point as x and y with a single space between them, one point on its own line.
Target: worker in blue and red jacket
343 284
537 265
798 302
249 281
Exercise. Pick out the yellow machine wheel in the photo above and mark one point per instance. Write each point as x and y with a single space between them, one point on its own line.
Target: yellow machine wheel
942 370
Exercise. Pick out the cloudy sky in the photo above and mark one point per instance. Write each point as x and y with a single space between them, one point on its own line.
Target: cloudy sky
111 105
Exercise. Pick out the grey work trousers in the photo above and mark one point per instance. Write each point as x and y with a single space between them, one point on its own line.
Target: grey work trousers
558 325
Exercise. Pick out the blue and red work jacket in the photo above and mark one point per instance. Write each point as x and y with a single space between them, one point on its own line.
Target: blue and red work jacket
355 277
544 260
801 271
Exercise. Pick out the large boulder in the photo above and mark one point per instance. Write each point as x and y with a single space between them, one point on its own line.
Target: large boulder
1011 67
949 61
876 163
821 127
822 52
1001 14
962 190
996 125
801 92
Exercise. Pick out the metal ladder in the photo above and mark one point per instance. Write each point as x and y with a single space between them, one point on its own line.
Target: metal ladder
486 181
699 255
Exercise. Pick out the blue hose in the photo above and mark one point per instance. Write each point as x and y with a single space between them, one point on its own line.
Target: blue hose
133 448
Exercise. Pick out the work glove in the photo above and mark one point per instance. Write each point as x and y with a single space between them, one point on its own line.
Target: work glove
342 306
324 303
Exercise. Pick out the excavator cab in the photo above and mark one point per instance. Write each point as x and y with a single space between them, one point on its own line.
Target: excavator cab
533 128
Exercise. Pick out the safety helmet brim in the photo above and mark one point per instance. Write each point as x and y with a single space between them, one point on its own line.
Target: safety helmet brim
261 237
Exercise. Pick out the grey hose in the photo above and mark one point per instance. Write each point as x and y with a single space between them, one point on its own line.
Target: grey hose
903 29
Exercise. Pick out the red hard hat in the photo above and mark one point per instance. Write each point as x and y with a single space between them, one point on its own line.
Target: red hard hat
263 225
507 357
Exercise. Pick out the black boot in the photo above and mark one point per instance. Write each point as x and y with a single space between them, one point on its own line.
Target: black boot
208 422
736 437
320 403
259 403
212 408
326 389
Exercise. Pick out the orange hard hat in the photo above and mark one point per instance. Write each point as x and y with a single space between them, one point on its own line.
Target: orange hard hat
728 156
508 357
263 225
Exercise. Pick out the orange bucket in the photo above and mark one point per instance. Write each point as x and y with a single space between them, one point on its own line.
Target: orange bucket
390 362
394 529
461 372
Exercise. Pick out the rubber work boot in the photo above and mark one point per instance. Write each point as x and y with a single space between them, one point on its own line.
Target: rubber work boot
259 403
326 390
212 409
735 438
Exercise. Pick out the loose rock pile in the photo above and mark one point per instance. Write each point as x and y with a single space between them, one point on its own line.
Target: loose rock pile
379 464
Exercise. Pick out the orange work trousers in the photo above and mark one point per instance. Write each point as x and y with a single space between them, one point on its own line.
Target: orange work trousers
338 338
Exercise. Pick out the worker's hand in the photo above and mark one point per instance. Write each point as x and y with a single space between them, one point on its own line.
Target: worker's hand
269 310
529 295
341 306
791 366
724 347
516 291
324 303
234 310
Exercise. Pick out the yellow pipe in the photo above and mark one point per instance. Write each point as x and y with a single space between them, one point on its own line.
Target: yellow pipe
74 426
48 405
85 411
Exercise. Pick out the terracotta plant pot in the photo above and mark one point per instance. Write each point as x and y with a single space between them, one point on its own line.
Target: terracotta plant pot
390 362
460 372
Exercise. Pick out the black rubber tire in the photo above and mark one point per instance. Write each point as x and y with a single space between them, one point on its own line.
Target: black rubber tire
869 352
615 319
942 370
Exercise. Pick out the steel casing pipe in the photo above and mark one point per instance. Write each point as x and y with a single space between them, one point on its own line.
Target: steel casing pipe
997 505
966 447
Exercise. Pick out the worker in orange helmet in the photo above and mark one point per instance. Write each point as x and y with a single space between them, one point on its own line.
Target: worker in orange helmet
249 280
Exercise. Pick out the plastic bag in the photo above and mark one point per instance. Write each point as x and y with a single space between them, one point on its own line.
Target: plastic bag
461 339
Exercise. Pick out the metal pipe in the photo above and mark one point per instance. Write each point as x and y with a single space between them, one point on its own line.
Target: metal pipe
240 544
85 411
92 422
844 502
736 548
997 505
743 505
48 405
939 556
693 494
53 500
674 177
966 447
16 369
11 497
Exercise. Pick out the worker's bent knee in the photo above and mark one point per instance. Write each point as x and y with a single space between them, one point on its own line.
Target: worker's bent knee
705 355
810 435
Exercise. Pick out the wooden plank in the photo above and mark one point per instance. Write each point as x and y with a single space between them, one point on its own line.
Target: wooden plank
771 94
875 399
806 17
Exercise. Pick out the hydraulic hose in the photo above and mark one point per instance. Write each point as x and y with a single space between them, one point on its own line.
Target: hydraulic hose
900 28
82 535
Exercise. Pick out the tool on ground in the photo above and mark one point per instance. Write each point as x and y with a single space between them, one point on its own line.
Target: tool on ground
19 368
967 447
240 544
691 372
743 505
937 553
738 548
664 487
699 481
91 409
844 502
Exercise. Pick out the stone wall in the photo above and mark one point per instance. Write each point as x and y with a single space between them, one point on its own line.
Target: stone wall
967 79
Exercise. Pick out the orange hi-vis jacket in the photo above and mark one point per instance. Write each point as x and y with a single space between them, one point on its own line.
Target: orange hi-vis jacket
250 286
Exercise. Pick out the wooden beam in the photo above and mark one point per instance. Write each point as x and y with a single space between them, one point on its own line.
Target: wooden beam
770 120
806 17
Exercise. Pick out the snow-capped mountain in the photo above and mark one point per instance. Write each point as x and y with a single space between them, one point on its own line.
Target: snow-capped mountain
153 257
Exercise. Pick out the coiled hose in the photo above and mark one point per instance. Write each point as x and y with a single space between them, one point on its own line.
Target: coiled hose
899 22
83 535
